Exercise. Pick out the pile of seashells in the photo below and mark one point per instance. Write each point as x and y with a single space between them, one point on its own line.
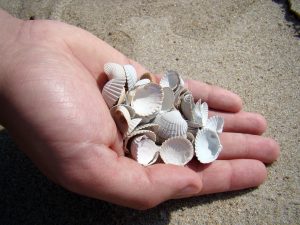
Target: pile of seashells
160 120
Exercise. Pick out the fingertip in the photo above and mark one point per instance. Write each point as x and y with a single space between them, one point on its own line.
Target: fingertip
274 149
258 123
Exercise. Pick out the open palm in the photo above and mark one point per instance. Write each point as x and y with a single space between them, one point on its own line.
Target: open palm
55 111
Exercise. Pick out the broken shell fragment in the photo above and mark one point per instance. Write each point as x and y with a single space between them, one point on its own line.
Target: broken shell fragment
201 113
112 91
144 150
178 151
207 146
147 99
142 82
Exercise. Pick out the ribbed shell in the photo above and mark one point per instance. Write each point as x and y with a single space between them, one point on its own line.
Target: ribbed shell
131 76
207 146
177 151
215 123
114 71
112 91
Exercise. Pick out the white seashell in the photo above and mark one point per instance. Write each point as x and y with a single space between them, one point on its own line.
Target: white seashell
177 151
215 123
150 134
187 105
112 91
131 76
168 101
200 113
178 96
142 82
171 124
148 126
170 79
114 71
133 123
122 97
129 96
207 146
144 150
190 136
147 99
121 116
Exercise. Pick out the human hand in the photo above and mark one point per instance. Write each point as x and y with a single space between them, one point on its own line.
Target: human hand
51 104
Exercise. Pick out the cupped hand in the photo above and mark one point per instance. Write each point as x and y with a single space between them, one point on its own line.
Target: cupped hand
51 78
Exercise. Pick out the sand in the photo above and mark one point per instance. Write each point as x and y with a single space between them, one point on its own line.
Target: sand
250 47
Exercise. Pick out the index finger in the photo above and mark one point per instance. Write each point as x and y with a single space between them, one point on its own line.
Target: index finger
216 97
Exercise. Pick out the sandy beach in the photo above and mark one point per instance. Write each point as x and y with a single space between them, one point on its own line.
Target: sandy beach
250 47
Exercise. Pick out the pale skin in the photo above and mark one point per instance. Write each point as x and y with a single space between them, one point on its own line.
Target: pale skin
51 74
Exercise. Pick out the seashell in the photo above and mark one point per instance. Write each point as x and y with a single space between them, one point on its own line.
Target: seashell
112 91
200 113
130 110
190 136
207 146
114 71
149 76
168 100
178 151
148 126
215 123
133 123
121 116
144 150
129 96
170 79
142 82
187 105
178 96
171 124
149 119
122 97
131 76
150 134
193 130
147 99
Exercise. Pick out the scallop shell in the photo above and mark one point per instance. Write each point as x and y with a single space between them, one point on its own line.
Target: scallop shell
207 146
187 105
200 113
171 124
133 123
142 82
177 151
215 123
112 91
147 99
170 79
121 117
150 134
168 101
148 126
149 76
144 150
114 71
131 76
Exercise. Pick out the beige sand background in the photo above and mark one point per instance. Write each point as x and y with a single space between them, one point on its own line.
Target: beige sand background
248 46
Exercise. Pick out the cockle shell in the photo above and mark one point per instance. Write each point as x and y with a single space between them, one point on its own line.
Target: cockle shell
170 79
133 123
142 82
112 91
215 123
150 134
207 146
147 99
148 126
200 113
177 151
171 124
168 100
187 106
131 76
114 71
144 150
121 117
